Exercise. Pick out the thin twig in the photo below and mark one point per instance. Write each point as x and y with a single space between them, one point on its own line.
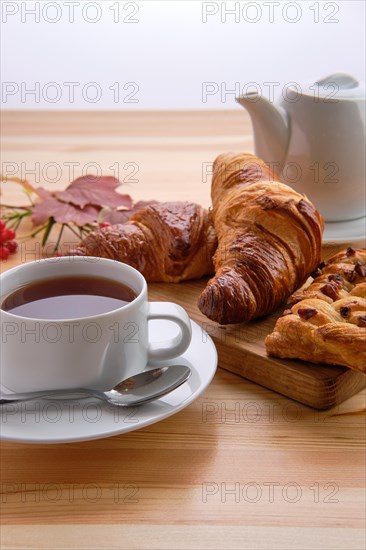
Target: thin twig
47 232
73 230
42 228
12 207
57 245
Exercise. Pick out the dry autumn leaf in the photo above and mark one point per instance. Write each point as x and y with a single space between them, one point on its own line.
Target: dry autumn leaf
79 205
63 212
80 202
97 190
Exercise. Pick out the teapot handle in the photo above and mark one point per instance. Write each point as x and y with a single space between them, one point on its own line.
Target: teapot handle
344 81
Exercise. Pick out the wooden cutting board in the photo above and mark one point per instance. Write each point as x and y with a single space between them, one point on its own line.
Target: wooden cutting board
241 350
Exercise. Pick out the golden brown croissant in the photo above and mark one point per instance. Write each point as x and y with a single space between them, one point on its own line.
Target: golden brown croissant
269 240
327 324
170 242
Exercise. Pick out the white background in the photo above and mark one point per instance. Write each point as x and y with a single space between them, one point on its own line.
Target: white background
171 54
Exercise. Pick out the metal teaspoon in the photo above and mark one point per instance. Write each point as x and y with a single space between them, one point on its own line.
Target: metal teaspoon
136 390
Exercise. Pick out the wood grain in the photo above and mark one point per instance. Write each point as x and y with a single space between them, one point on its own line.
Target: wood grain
242 466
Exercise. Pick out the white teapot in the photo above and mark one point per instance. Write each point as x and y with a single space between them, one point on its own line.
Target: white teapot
314 138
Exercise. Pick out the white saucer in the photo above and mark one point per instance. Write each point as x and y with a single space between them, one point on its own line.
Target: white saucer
344 232
64 421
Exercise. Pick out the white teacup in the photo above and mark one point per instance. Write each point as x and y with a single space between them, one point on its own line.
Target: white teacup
95 351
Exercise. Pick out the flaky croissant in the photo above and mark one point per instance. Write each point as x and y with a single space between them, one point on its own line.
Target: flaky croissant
327 324
269 240
169 242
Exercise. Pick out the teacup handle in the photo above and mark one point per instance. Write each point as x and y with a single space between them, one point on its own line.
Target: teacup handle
168 349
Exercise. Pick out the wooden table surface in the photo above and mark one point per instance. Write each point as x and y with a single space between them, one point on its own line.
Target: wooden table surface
287 477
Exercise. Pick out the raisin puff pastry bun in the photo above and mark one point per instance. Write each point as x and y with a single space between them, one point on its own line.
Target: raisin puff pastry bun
327 323
269 240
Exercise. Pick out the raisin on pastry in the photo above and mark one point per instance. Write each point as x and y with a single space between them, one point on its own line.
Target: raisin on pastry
335 331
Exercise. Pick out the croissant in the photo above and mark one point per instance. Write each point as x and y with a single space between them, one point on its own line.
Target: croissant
327 323
269 240
170 242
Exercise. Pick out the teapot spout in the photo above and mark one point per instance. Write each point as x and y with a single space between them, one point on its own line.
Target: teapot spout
270 128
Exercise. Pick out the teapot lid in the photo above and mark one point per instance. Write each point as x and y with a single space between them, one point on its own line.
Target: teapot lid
334 87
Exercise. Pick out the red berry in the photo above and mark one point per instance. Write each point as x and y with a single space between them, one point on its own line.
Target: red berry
12 246
104 224
4 252
7 243
7 235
